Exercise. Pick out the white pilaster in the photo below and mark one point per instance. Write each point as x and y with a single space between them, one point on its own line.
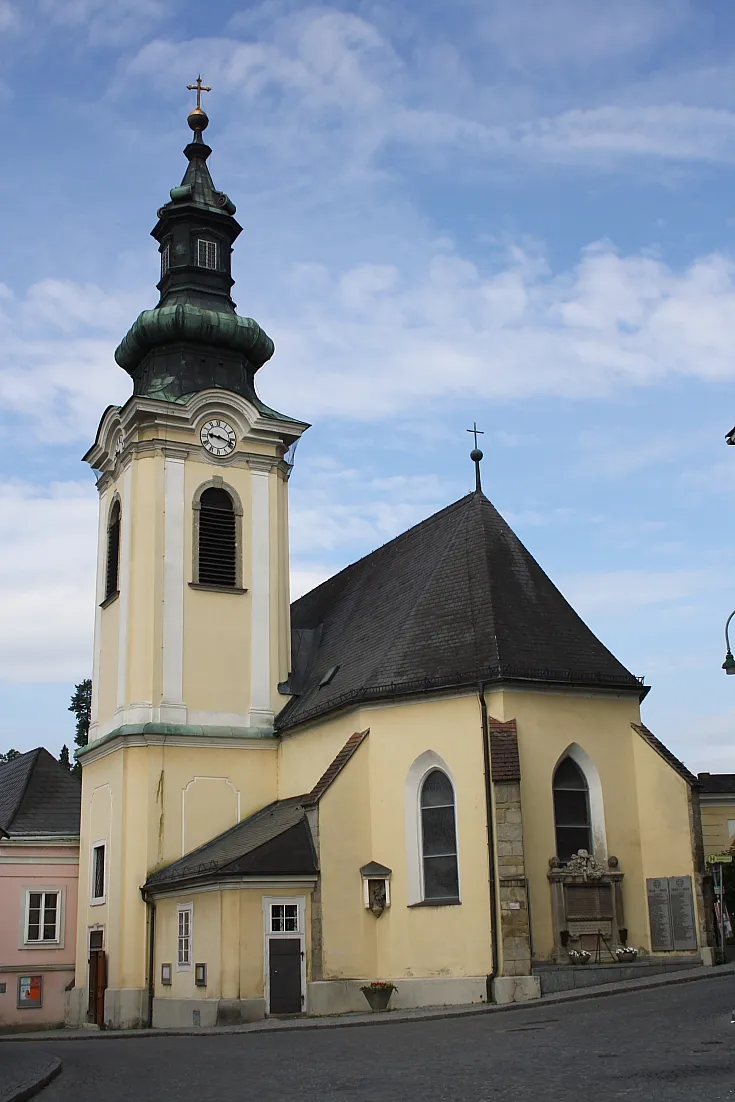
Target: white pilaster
173 709
124 585
261 708
99 596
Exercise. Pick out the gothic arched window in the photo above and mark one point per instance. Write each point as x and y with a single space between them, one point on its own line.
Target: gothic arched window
571 810
217 539
112 573
439 837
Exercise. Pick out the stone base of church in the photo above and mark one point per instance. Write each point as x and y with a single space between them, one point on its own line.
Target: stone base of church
345 997
516 989
126 1007
76 1004
183 1013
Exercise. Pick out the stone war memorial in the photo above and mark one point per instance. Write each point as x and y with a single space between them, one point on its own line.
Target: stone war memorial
427 773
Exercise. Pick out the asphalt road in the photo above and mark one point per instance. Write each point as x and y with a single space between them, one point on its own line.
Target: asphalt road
670 1043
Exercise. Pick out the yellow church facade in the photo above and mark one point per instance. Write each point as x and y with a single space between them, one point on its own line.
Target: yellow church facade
428 771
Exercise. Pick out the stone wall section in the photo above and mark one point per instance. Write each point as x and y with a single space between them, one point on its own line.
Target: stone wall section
515 929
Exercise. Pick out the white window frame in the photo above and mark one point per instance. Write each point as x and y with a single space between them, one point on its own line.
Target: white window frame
98 900
204 245
426 763
730 829
185 908
41 943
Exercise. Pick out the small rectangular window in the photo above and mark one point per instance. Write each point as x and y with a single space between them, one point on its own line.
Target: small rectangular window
731 828
43 910
185 916
206 253
165 259
284 918
98 873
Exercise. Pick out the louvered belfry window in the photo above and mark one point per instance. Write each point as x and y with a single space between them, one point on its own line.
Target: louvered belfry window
113 552
217 539
571 810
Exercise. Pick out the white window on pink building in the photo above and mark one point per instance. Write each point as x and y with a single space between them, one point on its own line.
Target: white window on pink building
43 918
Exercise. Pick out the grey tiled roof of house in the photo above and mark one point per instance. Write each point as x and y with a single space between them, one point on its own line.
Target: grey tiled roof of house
274 841
38 796
717 782
452 601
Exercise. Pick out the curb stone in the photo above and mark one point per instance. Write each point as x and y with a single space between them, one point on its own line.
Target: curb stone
30 1087
390 1017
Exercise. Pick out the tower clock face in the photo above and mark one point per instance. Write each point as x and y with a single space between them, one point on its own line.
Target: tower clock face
217 437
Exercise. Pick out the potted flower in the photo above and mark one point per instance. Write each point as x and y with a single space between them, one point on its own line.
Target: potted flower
378 993
578 956
626 952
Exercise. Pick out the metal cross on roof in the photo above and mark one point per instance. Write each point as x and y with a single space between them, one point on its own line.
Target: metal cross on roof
476 455
475 431
199 88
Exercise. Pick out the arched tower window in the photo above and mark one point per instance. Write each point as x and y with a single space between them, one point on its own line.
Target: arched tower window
571 810
112 575
439 837
217 543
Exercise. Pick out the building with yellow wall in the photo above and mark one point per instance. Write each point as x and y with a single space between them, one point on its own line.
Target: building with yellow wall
426 771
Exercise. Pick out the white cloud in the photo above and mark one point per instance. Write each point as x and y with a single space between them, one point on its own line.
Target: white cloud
623 592
369 340
576 32
48 541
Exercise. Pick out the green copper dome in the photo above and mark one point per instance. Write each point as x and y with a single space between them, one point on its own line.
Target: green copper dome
169 324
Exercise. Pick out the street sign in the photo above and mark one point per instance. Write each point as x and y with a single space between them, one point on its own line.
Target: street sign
719 858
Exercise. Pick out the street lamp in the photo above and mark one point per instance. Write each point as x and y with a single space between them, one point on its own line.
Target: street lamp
729 664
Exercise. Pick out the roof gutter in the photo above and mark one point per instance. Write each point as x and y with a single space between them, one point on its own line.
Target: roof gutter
492 876
150 904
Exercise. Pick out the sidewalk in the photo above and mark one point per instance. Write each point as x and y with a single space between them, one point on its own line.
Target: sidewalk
390 1017
24 1074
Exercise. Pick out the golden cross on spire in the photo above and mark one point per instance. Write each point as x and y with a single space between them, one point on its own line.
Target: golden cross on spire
199 88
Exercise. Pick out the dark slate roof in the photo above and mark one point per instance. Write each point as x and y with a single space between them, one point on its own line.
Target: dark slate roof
274 841
38 796
452 601
505 762
665 753
717 782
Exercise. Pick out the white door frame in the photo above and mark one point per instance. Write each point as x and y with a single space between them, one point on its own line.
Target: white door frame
298 935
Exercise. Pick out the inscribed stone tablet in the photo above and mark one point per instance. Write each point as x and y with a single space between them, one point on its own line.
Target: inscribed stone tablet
659 915
682 912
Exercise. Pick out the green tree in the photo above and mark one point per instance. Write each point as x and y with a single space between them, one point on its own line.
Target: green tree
11 754
81 706
64 758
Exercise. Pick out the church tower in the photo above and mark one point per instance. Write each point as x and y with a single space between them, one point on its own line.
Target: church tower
192 629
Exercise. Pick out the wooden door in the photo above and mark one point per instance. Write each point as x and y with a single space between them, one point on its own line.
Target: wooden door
284 971
97 985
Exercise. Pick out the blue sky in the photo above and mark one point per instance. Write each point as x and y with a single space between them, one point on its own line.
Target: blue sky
520 213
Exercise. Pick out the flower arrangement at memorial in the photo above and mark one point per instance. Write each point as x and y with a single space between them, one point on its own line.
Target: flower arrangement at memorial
578 956
626 952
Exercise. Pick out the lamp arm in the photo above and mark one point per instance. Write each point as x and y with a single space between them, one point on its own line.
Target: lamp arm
727 625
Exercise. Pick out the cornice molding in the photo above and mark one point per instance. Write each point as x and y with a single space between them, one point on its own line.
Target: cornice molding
162 734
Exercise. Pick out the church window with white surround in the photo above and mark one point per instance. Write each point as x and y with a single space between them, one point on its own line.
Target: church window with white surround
439 838
185 921
571 810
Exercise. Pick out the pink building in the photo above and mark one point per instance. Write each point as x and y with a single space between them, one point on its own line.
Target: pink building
39 870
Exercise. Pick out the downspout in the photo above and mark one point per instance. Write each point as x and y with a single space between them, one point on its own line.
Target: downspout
151 954
490 841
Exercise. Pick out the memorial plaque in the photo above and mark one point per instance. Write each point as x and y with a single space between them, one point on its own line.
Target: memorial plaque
659 915
604 927
682 912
